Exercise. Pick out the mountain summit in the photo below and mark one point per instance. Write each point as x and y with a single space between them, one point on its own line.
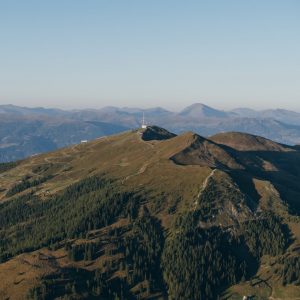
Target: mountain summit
156 133
199 110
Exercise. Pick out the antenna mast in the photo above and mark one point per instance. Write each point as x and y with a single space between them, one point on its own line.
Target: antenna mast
144 126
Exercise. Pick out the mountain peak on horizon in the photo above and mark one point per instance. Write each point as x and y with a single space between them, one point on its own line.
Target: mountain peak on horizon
197 110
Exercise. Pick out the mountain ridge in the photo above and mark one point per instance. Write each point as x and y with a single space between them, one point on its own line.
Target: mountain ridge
60 128
173 216
248 142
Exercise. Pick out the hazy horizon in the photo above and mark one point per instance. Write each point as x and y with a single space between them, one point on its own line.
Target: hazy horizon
148 107
92 54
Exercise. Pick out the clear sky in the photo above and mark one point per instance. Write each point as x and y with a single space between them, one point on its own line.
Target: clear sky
93 53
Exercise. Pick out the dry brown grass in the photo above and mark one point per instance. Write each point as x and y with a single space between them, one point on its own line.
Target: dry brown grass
23 272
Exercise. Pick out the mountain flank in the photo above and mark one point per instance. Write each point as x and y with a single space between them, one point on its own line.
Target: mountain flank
202 151
147 214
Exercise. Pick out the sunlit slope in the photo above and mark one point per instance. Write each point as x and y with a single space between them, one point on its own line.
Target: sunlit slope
248 142
165 164
126 158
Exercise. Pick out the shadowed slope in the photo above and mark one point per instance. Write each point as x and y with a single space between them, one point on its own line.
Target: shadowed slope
156 133
204 152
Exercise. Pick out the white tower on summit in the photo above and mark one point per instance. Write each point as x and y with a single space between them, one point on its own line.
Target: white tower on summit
144 126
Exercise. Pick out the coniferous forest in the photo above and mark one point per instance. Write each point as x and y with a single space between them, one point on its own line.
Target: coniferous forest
185 263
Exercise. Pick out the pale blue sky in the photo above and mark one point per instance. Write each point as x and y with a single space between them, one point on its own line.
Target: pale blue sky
93 53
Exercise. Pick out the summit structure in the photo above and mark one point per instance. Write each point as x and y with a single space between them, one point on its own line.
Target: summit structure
144 126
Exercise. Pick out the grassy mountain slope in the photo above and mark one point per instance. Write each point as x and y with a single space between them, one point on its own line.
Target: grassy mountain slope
149 215
247 142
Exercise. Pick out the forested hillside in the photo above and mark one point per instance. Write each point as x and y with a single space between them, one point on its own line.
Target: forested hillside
150 215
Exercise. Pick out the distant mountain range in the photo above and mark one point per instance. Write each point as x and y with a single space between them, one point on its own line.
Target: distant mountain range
27 131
